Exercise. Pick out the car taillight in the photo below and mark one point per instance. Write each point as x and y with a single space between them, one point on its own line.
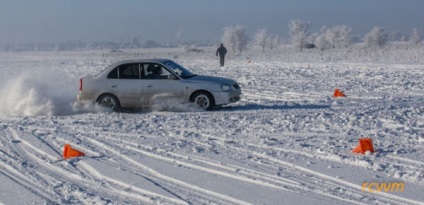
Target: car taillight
80 87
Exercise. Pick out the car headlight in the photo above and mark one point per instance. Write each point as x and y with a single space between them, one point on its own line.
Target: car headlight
225 87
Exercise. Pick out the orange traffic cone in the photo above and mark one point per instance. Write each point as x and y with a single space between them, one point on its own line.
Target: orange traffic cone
69 152
338 93
365 144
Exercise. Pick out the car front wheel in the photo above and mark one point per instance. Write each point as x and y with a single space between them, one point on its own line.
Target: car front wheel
109 101
204 100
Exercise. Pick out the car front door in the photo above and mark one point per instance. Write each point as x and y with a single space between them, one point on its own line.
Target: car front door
159 85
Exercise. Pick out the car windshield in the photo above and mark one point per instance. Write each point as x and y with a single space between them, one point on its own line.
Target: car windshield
179 70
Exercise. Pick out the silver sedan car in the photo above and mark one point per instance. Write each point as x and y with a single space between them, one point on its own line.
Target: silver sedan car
142 83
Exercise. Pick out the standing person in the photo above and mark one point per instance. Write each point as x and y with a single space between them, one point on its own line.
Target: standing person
221 52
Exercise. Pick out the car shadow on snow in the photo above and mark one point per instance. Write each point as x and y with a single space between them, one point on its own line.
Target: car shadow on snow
253 106
244 107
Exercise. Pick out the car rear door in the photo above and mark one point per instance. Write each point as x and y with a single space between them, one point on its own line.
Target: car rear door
125 83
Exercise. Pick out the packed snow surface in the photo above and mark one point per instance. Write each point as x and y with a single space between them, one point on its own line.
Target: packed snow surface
288 141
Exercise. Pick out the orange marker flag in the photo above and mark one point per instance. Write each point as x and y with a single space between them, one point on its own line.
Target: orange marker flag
338 93
69 152
365 144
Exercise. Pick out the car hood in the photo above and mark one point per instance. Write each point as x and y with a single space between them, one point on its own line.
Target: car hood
212 79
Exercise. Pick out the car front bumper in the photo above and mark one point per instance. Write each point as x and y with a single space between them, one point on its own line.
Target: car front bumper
222 98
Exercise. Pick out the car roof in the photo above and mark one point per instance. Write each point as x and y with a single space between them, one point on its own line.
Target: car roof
151 60
112 66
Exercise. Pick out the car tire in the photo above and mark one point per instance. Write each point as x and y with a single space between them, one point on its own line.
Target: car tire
204 100
109 101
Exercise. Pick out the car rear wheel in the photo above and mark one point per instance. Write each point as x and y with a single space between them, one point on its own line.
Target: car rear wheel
109 101
204 100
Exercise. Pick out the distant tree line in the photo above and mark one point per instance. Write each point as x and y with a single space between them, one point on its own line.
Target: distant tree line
339 36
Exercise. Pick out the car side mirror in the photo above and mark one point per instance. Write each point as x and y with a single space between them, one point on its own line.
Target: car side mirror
171 77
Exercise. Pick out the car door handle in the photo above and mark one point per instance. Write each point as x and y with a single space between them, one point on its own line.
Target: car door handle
149 86
114 86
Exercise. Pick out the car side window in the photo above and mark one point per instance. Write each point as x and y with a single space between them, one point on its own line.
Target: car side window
126 71
154 71
129 71
113 74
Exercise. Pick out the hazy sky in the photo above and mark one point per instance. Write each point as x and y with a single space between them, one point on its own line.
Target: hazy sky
29 21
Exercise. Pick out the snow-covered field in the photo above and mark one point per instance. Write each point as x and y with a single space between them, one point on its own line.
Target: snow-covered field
286 142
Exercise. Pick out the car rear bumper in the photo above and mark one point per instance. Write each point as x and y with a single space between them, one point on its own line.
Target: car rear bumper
84 98
222 98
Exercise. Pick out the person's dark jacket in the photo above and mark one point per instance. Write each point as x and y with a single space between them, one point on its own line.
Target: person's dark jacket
221 51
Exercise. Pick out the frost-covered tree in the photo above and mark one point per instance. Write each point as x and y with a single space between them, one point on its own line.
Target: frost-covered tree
415 37
339 36
261 38
376 37
235 38
344 36
321 42
241 38
330 36
298 32
228 38
310 39
273 41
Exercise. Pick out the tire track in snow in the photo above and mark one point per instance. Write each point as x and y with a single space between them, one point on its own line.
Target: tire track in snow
421 164
268 180
90 172
232 168
99 175
225 142
245 175
206 192
15 175
294 186
20 170
50 174
85 178
347 185
144 195
287 96
353 187
152 174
